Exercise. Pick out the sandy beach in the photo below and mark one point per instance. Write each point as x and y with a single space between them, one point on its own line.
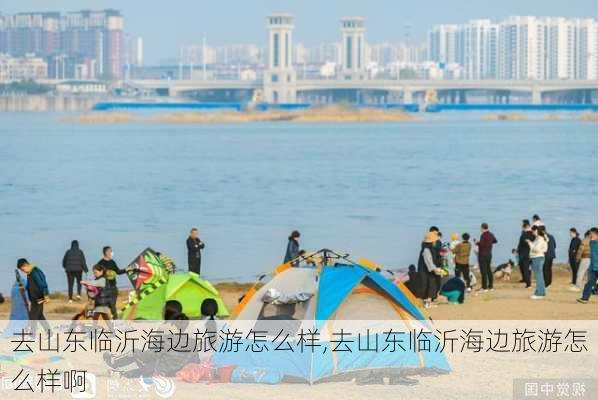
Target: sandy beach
510 301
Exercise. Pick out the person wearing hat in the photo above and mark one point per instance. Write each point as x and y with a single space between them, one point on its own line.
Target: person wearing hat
37 291
428 269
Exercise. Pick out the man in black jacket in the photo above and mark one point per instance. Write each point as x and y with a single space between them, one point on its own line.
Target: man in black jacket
111 270
549 257
74 265
194 248
523 252
573 247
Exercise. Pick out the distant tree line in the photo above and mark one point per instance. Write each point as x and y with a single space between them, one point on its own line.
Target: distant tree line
24 87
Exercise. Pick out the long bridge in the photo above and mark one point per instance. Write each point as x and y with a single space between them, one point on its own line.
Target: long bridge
280 84
382 90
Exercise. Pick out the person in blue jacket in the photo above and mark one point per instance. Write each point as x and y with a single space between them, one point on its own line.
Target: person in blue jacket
38 293
593 269
454 290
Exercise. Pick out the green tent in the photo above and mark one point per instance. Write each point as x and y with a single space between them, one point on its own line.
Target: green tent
187 288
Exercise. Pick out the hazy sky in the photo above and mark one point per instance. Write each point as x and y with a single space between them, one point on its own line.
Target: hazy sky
165 24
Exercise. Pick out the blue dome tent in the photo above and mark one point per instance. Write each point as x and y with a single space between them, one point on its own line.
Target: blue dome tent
326 291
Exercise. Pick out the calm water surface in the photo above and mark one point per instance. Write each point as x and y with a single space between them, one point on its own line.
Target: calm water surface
370 189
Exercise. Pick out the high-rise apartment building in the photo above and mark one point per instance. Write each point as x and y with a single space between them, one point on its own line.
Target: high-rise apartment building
98 35
443 44
586 49
91 38
30 33
519 48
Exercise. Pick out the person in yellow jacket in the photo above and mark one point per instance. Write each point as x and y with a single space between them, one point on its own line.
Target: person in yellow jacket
462 252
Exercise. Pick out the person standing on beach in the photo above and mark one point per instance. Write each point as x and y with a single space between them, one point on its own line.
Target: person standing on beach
292 251
573 248
194 248
583 260
592 269
537 221
111 270
549 259
428 269
38 293
462 252
74 265
485 244
523 252
451 247
538 249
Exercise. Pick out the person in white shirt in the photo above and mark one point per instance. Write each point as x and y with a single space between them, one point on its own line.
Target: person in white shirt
538 249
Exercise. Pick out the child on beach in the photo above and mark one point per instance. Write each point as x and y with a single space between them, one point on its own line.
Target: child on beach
592 269
96 290
515 259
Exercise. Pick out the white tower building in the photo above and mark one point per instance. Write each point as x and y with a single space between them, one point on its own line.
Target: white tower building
280 78
353 48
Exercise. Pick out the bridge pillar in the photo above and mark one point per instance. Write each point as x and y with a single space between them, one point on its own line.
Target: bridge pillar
174 92
407 96
462 97
587 96
353 48
536 96
280 80
453 97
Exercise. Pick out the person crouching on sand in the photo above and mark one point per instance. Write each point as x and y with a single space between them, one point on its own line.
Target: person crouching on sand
538 249
428 269
593 268
454 290
38 293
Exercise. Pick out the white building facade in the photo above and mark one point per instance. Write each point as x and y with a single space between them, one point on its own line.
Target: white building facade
519 48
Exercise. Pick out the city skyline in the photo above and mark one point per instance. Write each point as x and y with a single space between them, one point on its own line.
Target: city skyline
391 22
